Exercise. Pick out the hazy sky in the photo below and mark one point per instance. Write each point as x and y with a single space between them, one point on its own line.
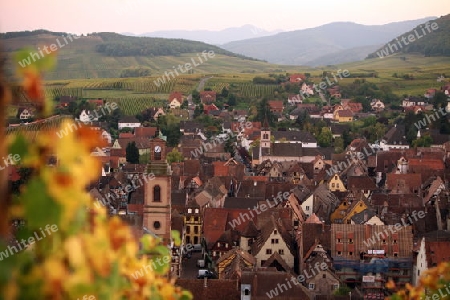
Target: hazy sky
139 16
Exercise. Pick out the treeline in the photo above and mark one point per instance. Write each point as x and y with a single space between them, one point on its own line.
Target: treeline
135 72
119 45
434 43
10 35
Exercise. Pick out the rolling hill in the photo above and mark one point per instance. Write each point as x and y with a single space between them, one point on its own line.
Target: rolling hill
423 40
331 43
110 55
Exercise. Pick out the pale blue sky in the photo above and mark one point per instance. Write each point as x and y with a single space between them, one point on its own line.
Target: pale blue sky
139 16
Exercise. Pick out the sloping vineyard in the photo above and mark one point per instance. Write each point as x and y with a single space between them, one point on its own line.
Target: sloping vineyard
134 105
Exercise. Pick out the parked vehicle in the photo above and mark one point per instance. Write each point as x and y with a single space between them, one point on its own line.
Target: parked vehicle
205 274
197 248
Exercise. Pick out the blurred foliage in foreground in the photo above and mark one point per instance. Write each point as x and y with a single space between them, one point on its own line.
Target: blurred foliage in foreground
88 253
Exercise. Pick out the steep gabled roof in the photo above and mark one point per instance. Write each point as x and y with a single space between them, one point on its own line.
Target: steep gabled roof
266 230
277 261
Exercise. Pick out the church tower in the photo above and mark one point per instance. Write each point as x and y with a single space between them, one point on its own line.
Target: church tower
157 194
265 135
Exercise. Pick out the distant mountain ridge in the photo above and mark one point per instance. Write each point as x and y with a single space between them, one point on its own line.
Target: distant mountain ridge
218 37
314 46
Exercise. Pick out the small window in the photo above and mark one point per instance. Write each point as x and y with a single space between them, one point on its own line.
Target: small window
311 286
196 210
274 241
332 185
395 254
338 240
157 193
339 253
324 275
275 232
189 210
218 244
350 241
350 253
268 251
281 251
156 225
395 242
246 292
384 241
337 185
307 207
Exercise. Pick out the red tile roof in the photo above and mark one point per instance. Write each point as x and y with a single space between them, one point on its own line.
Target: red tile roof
176 95
396 181
207 96
125 135
148 132
417 164
275 104
344 113
297 78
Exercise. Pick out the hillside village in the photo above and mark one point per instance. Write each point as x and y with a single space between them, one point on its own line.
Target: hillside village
258 204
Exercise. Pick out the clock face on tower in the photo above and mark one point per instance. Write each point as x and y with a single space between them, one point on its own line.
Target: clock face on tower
158 149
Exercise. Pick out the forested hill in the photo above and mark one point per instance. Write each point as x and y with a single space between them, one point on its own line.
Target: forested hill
117 45
434 43
111 55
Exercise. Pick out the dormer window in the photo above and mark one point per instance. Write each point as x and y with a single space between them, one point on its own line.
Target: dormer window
196 210
189 210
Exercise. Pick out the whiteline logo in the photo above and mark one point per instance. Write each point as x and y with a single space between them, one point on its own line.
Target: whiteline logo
392 48
281 287
168 75
394 228
47 49
431 118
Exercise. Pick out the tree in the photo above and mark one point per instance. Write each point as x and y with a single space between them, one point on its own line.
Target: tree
126 129
224 92
424 141
343 290
174 156
198 111
195 96
338 144
132 153
170 127
265 113
231 100
325 137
